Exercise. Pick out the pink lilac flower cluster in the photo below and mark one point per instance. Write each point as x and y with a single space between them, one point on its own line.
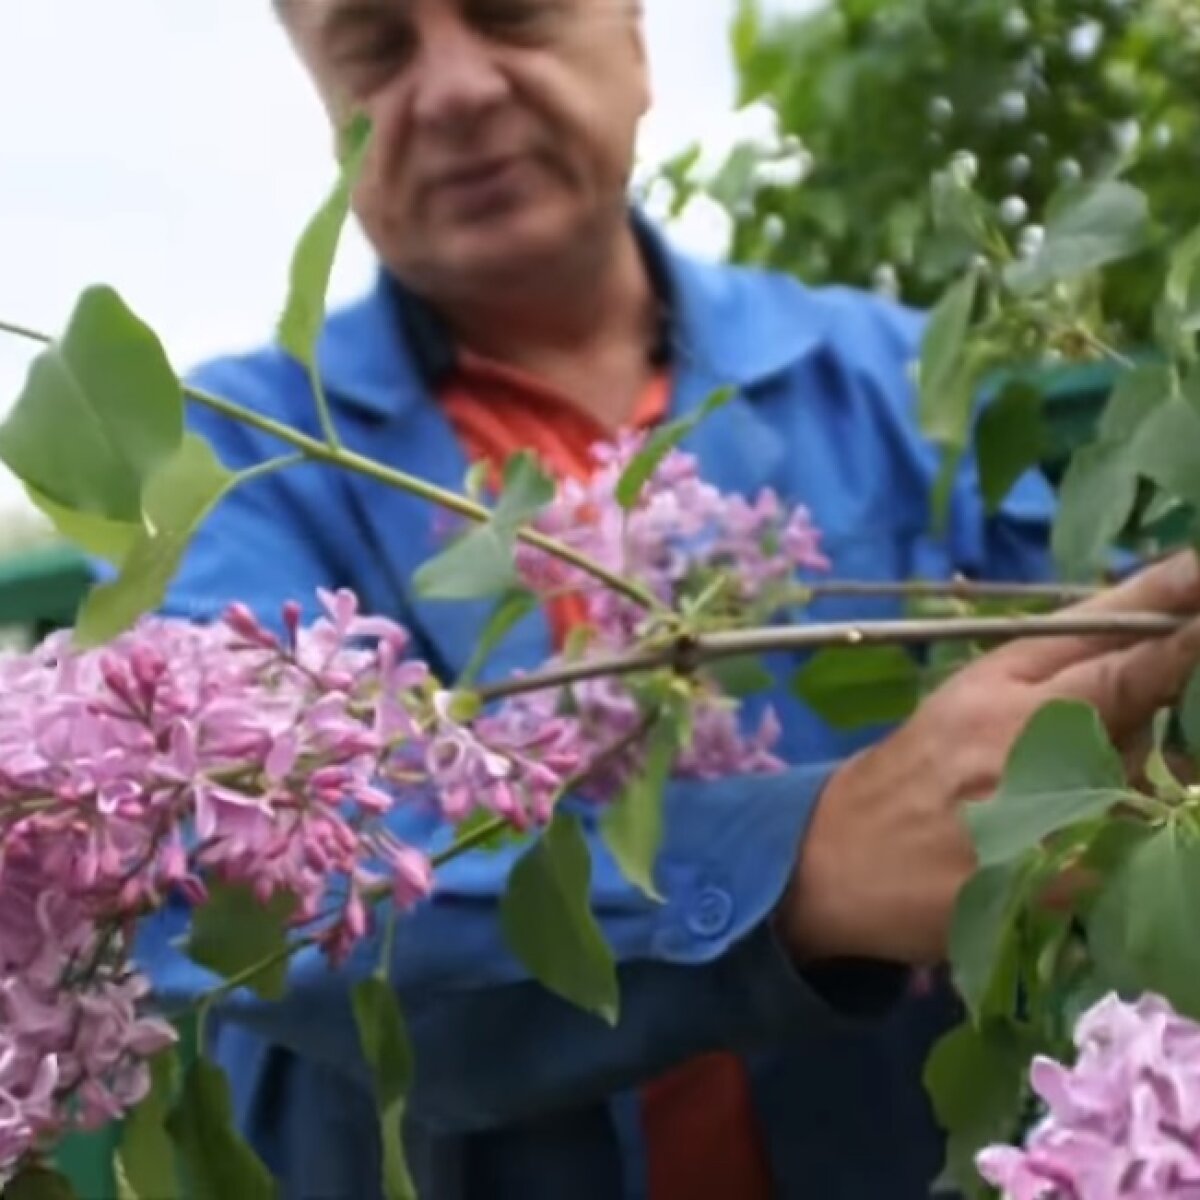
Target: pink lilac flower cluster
681 533
1123 1123
677 540
606 713
181 756
78 1044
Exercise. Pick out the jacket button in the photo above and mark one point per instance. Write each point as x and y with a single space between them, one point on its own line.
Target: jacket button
713 913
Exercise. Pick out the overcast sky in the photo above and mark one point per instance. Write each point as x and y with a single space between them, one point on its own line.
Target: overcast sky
172 148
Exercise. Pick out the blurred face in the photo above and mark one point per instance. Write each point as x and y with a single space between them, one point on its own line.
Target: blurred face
504 130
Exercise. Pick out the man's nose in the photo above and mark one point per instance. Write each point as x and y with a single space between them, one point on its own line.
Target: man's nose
457 77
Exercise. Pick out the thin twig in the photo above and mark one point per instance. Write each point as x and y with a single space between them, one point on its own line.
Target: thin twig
1102 347
359 464
686 655
316 450
955 589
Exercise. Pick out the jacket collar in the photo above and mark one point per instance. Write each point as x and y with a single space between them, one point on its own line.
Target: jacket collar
379 353
727 329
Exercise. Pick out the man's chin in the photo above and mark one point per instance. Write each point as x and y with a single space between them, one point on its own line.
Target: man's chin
513 254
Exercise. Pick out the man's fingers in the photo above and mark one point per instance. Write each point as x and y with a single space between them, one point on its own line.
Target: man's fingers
1169 587
1128 687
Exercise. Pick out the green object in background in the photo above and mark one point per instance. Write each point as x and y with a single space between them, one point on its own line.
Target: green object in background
42 588
86 1160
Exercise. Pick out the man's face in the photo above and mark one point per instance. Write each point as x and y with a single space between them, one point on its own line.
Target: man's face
504 130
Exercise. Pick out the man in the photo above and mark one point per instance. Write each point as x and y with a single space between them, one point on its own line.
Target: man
768 1045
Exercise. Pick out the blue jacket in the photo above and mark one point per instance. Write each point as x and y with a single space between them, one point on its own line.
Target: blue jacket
518 1096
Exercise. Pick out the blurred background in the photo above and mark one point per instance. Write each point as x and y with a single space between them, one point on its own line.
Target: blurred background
173 149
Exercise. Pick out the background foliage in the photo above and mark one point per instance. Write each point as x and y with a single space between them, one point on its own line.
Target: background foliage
871 97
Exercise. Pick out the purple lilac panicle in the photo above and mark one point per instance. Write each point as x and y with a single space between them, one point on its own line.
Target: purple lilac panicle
681 530
1123 1123
180 755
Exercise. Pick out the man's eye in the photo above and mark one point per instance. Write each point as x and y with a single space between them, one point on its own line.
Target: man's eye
378 47
366 60
530 19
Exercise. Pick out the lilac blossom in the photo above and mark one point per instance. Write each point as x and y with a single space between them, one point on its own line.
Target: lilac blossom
183 755
1123 1123
680 534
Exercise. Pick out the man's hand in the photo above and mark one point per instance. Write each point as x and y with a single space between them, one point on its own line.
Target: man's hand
888 851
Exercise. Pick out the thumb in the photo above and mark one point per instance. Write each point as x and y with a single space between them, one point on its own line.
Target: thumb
1167 588
1129 686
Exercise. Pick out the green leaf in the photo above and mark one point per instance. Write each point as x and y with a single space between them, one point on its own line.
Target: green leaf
177 499
1137 394
145 1156
145 574
1183 277
745 29
850 687
1091 226
958 212
480 563
1179 313
39 1183
1142 927
632 826
509 613
475 482
1010 439
95 535
121 1184
981 936
975 1079
527 490
1062 769
547 920
1164 449
943 348
233 931
386 1047
1112 843
734 183
1158 771
1096 500
217 1162
100 412
579 641
1189 714
464 706
742 676
659 444
942 492
312 262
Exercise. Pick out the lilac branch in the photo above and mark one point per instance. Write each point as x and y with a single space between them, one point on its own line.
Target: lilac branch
685 654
